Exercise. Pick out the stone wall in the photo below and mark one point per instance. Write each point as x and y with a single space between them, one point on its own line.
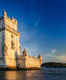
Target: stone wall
32 62
21 61
11 41
29 62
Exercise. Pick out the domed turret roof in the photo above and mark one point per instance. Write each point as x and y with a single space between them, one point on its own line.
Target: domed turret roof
4 13
25 52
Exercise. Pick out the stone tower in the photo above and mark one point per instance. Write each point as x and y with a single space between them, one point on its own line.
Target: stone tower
9 40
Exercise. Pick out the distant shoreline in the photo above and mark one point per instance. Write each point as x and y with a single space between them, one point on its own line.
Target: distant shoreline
54 65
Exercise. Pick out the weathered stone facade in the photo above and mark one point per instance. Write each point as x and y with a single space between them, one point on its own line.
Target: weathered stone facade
10 38
26 61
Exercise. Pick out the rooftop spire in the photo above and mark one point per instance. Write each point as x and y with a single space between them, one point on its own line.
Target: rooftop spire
25 52
4 13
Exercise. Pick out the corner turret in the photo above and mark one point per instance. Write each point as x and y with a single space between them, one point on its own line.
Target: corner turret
40 57
4 14
25 52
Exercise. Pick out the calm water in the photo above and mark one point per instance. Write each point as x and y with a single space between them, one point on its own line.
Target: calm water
44 74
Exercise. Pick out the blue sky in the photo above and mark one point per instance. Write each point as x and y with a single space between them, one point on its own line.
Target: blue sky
42 24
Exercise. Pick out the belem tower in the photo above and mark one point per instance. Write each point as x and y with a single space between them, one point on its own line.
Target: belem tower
10 56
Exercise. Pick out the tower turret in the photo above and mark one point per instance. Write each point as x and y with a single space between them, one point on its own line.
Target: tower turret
4 13
40 57
25 52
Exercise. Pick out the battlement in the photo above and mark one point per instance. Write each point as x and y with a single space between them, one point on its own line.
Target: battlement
26 61
12 22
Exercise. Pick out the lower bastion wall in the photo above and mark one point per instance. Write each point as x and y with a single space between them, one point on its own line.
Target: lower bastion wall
28 62
20 62
32 62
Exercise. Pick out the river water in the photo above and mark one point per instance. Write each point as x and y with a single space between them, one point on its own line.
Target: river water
44 74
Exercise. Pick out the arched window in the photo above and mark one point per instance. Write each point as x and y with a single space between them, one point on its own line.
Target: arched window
12 42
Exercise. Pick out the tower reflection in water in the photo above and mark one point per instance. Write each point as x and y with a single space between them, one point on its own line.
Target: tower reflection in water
20 75
11 75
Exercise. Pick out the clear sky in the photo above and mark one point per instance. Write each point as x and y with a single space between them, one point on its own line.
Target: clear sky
42 24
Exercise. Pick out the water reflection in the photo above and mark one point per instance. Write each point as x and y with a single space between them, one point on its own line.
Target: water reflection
45 74
11 75
19 75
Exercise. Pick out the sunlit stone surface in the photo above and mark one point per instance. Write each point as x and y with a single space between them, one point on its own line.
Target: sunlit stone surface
26 61
9 43
10 46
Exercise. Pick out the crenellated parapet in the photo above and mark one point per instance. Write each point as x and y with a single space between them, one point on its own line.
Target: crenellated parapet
26 61
11 22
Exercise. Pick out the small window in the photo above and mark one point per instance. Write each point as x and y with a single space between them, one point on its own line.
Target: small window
12 45
12 36
12 42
